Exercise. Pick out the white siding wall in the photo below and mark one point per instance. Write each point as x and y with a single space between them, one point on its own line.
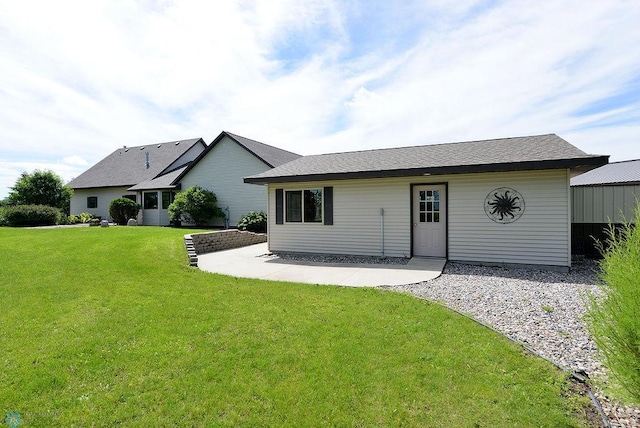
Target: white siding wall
356 220
602 204
105 196
222 171
541 236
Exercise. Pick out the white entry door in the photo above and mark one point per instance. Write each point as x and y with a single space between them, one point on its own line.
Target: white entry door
430 221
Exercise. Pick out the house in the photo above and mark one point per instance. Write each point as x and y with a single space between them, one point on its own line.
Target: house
603 196
128 172
495 202
221 168
152 175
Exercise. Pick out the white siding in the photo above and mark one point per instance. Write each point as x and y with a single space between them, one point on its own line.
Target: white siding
356 220
222 171
602 204
105 196
541 236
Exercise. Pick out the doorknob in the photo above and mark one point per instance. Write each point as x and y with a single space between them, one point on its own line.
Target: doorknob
415 224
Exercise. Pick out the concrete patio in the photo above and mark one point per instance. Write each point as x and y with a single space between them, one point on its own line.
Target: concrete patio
255 261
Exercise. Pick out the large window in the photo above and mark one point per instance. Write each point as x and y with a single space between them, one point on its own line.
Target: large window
167 199
304 205
92 202
151 201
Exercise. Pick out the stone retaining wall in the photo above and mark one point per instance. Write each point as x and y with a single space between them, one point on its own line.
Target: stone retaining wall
209 242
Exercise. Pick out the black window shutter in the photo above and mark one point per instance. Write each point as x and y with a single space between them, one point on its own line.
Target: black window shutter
328 205
279 206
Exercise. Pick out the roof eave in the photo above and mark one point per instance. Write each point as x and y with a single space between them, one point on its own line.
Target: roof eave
592 162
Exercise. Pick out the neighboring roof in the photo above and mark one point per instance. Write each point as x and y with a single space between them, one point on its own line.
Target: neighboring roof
505 154
127 166
271 156
164 181
624 172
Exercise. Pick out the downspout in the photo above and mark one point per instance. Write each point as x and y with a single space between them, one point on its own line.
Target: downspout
382 231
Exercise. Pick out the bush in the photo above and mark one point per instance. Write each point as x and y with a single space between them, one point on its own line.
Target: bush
85 217
254 222
122 209
31 215
3 220
614 320
195 205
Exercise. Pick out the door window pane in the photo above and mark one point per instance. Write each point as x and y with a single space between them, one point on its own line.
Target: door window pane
422 195
436 217
422 217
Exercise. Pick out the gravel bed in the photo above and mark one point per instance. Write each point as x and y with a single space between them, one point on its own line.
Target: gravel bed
541 309
324 258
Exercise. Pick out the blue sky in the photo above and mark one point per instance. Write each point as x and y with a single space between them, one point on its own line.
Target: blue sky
79 79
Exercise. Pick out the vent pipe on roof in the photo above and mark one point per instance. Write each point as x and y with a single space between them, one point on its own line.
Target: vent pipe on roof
146 159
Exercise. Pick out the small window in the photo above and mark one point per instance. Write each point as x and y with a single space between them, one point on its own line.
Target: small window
167 199
294 206
151 201
92 202
313 206
132 197
304 205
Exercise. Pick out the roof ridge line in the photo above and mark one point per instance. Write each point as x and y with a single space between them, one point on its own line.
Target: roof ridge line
434 144
157 144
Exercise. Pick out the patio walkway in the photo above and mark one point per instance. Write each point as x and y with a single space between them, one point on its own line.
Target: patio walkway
255 261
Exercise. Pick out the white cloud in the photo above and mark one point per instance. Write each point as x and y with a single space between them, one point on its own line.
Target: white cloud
78 79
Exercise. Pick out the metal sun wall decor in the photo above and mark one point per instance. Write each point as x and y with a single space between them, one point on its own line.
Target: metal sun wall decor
504 205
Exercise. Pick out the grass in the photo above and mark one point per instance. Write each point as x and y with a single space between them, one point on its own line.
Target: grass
109 326
614 319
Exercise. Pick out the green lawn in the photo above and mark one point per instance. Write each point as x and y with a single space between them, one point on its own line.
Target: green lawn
109 326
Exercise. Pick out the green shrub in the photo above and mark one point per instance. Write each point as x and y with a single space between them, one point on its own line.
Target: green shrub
3 220
122 209
32 215
195 205
614 320
253 222
85 217
73 219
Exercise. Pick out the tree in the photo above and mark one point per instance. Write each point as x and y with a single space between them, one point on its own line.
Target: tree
41 188
195 205
122 209
614 319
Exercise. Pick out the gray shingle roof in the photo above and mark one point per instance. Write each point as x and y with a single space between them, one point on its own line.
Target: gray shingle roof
164 181
271 156
624 172
533 152
126 166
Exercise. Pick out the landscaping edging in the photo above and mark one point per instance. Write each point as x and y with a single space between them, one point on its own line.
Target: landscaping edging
209 242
